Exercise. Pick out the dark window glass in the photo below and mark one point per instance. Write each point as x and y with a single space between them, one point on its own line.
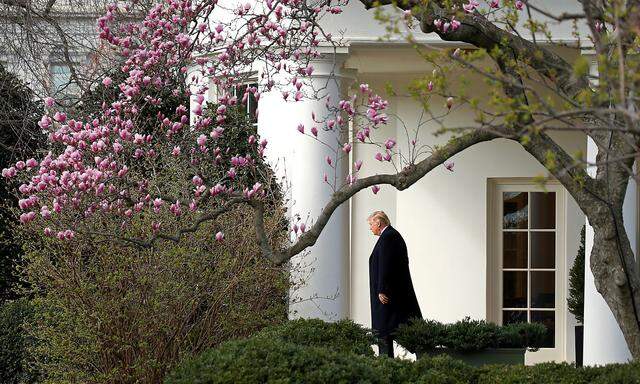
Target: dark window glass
515 215
514 290
514 249
543 210
543 289
509 317
543 250
548 319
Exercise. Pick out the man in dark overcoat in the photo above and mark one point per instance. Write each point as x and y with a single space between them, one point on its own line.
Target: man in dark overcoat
393 300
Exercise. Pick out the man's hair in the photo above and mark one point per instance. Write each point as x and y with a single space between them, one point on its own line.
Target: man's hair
380 217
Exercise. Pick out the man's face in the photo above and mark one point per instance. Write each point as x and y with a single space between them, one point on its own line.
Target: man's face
374 226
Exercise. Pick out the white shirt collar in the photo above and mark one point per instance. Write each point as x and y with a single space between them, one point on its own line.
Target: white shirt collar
383 229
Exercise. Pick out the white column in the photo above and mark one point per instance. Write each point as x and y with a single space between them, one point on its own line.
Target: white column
603 339
300 162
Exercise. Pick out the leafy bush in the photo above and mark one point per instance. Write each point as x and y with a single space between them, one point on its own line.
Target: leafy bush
261 360
343 336
469 335
301 358
562 373
424 336
575 301
521 335
421 336
108 313
20 136
13 354
559 373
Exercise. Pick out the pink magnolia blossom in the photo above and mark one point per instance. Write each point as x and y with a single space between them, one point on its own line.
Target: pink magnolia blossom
471 6
49 101
378 156
449 102
107 81
329 161
301 128
375 189
346 147
219 237
314 131
358 165
449 166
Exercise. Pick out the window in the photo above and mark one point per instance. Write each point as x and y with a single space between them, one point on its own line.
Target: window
62 87
526 279
251 105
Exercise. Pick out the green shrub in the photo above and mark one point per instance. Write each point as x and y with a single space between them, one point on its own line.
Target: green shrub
425 336
299 357
421 336
613 373
443 369
343 336
575 301
521 335
13 341
562 373
129 315
469 335
261 360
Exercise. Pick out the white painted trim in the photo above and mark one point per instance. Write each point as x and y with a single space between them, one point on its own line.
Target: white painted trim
494 281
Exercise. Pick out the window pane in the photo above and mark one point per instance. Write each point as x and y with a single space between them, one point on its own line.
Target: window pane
514 289
510 317
543 250
543 210
543 289
514 249
252 108
60 77
515 213
548 319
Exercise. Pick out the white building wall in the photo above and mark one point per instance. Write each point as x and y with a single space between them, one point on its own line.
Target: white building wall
443 217
603 339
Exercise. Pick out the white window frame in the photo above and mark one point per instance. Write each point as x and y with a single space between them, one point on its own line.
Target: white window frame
495 188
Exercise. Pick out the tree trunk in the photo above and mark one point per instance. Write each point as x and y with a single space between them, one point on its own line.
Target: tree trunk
616 275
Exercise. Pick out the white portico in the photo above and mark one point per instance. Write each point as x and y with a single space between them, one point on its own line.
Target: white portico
484 241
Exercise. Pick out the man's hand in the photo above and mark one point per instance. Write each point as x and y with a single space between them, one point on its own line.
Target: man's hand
383 298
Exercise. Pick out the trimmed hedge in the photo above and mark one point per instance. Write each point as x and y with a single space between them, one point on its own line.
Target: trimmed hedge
343 336
293 354
466 335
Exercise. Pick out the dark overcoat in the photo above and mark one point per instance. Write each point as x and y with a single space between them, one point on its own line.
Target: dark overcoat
389 274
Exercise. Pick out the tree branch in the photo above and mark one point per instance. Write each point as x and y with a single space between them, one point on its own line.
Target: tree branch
401 180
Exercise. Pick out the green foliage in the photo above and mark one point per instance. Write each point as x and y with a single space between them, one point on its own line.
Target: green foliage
259 360
562 373
421 336
107 311
19 138
343 336
469 335
521 335
424 336
14 360
275 359
575 301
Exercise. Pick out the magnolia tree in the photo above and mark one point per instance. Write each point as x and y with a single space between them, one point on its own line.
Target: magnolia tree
112 165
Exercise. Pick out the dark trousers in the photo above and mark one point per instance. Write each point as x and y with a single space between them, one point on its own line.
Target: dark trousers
385 346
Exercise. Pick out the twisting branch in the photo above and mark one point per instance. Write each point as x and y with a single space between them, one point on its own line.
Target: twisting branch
401 180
